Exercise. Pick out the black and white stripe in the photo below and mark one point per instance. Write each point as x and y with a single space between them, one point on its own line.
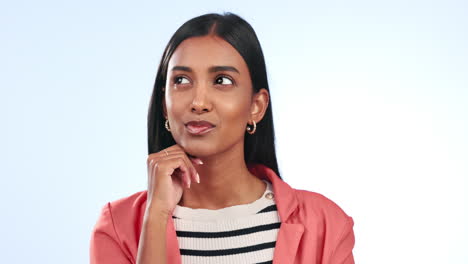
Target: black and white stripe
244 239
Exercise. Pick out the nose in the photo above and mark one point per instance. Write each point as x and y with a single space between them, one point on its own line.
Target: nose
200 102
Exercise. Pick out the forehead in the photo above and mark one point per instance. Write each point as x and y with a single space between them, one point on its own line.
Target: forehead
203 52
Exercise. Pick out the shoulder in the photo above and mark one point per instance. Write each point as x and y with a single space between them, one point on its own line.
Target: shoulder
122 214
128 209
318 203
119 226
325 219
115 234
318 208
132 201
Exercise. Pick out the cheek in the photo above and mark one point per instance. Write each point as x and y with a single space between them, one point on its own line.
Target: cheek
234 114
177 103
171 98
175 108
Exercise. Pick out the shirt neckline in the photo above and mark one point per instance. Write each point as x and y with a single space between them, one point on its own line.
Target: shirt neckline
230 212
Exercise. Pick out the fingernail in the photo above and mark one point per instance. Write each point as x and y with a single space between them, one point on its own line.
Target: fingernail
198 178
187 182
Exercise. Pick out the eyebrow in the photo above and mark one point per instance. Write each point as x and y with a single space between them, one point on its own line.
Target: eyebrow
211 69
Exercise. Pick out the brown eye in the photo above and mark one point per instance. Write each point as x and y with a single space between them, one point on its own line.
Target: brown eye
227 81
178 80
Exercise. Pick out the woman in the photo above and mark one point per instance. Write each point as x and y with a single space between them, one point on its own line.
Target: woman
215 194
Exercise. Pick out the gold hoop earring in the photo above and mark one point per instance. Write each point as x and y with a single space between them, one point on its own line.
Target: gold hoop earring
250 130
166 124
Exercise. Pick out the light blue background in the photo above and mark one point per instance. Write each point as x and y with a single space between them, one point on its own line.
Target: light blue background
369 97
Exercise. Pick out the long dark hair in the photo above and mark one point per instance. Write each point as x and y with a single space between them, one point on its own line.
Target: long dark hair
259 147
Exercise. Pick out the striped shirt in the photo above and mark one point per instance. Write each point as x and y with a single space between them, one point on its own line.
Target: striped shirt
237 234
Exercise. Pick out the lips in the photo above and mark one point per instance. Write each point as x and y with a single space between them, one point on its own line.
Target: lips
199 127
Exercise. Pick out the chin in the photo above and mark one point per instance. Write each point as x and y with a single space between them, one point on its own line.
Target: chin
198 149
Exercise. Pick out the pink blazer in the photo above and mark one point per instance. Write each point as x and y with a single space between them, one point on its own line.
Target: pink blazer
313 230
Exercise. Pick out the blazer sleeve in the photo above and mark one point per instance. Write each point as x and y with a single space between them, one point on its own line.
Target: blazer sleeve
343 250
105 246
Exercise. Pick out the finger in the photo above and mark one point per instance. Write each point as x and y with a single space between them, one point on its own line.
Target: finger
190 163
185 170
177 162
178 149
196 161
163 152
178 152
152 165
178 177
193 172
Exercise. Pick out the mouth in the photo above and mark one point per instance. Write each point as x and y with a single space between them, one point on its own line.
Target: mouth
199 127
198 130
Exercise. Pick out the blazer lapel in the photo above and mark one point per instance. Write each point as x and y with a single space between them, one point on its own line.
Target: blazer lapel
287 243
289 235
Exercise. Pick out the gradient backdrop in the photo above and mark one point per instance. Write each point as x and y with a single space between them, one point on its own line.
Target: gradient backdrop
369 98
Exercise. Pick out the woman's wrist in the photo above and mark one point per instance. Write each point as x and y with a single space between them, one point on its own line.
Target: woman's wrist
155 211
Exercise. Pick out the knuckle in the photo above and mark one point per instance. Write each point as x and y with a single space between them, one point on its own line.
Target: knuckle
151 161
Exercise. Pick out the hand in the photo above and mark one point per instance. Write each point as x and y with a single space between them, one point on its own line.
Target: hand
169 171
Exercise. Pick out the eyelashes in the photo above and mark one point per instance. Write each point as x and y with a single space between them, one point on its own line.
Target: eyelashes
220 77
177 80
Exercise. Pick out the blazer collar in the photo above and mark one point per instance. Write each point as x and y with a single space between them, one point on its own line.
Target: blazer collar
286 200
289 234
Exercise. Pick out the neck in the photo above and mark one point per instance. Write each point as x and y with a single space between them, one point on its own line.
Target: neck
224 181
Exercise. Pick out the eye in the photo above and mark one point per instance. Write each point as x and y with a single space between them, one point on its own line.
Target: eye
219 80
178 80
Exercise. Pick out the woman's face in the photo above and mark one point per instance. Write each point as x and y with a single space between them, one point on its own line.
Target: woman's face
208 80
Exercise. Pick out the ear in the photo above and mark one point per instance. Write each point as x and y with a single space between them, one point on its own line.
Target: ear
259 105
